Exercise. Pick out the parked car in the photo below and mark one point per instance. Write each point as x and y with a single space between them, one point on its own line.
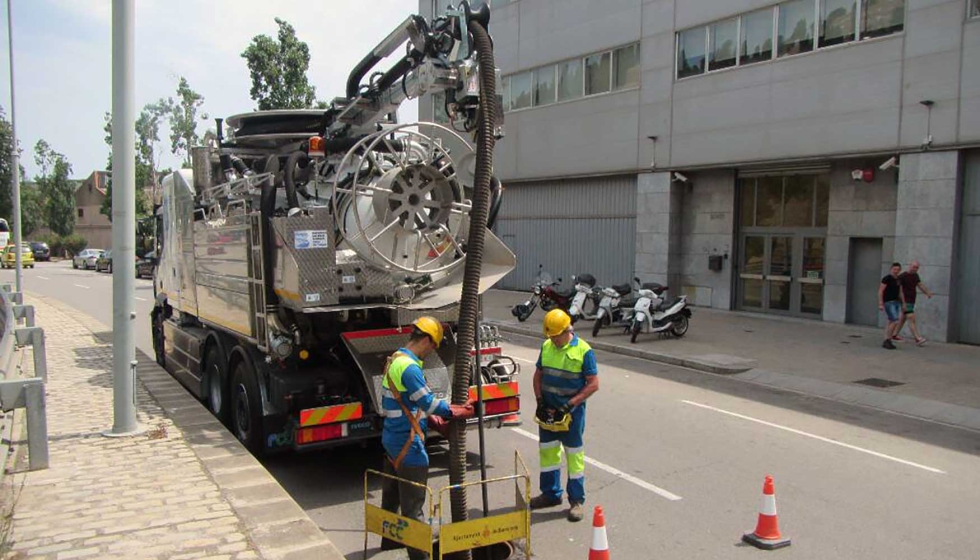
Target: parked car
146 265
86 259
10 257
104 262
41 251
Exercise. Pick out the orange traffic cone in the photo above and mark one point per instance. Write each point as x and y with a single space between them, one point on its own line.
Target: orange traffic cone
766 535
600 545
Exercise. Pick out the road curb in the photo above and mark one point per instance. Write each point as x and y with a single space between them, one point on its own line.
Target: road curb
738 365
242 480
953 415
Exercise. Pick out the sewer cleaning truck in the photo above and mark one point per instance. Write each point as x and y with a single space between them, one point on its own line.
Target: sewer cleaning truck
295 253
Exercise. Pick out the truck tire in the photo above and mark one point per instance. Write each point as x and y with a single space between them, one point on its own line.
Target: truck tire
246 407
216 378
158 342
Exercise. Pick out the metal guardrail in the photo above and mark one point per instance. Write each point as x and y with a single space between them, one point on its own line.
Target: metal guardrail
24 393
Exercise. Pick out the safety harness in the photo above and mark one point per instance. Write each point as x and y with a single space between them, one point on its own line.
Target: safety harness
416 429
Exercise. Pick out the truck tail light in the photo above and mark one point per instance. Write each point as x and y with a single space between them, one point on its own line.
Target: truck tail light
320 433
502 406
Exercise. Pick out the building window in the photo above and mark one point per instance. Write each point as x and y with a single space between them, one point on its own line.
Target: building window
690 52
597 73
796 27
790 201
544 86
505 86
81 212
837 21
756 37
626 67
570 81
724 41
974 8
882 17
439 114
520 90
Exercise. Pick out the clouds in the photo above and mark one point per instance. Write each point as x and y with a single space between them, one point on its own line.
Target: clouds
63 59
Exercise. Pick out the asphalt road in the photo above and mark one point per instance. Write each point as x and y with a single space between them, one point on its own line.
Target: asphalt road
677 460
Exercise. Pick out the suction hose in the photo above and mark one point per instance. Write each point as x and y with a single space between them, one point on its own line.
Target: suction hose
468 304
292 161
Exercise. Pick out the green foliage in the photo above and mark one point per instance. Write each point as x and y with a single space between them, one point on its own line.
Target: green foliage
32 203
73 243
147 135
278 70
56 188
6 178
183 119
55 243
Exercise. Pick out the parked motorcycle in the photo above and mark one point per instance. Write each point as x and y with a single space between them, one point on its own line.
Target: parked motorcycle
615 307
585 292
544 293
650 312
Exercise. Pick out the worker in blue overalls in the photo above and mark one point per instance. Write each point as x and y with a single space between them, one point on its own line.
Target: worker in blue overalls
407 402
566 375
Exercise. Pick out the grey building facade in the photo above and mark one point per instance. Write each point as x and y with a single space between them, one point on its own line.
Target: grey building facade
647 136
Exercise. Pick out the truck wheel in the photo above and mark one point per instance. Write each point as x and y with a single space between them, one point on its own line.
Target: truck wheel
246 409
158 342
217 380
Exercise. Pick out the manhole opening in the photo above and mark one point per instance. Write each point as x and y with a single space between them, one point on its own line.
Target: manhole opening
878 382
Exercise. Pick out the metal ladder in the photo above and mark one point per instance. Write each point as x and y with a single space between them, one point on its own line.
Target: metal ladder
256 268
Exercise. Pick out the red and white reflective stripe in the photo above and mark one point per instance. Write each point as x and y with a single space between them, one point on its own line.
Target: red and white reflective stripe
599 541
768 505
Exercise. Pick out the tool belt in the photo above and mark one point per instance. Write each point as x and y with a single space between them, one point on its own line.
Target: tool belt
412 420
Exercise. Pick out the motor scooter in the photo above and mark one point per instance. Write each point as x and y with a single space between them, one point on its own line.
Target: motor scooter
615 307
543 293
585 292
651 313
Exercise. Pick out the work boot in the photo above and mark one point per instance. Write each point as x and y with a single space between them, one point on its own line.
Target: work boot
542 501
576 513
888 345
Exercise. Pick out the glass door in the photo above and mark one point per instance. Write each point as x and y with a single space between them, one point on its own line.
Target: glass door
779 276
751 277
811 275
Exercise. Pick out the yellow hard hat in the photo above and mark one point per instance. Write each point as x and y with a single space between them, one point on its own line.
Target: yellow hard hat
556 322
431 327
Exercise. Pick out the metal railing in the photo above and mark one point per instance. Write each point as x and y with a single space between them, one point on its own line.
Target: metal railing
26 393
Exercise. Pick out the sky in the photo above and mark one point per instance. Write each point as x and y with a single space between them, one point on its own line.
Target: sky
62 61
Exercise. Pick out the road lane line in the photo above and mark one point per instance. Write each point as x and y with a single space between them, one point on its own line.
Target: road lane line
138 298
525 360
816 437
43 277
615 472
80 286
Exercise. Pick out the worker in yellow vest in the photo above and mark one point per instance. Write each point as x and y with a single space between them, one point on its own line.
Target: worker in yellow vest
406 403
566 375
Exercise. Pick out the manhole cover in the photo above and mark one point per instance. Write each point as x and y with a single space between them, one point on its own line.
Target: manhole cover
878 382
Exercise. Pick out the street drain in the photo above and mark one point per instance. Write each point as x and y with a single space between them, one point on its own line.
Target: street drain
878 382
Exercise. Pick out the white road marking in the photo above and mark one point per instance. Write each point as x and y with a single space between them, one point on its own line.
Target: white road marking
526 361
816 437
615 472
138 298
43 277
80 286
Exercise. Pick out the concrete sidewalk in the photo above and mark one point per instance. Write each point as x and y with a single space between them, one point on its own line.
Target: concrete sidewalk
184 488
939 382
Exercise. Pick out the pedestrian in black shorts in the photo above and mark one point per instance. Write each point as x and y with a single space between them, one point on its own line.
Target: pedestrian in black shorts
890 300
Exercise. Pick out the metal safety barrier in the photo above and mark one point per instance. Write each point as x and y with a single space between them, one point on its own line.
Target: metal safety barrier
18 392
472 534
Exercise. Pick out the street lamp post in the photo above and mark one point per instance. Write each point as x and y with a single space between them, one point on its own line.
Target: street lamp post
14 156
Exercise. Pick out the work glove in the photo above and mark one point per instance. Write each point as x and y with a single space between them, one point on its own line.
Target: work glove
563 410
543 413
439 425
462 412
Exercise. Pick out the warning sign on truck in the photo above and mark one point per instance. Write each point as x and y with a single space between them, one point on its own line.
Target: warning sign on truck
310 239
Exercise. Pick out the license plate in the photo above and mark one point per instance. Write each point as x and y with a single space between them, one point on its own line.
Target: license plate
359 427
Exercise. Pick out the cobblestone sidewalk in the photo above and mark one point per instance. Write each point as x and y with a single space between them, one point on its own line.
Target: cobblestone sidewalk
156 495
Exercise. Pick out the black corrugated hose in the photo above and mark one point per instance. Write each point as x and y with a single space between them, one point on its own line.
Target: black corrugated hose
474 260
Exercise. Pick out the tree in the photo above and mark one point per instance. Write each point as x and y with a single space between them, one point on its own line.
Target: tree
6 177
32 203
183 119
278 70
56 188
147 135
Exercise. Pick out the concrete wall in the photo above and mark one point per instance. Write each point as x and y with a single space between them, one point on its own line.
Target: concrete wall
856 209
658 228
707 228
854 98
925 230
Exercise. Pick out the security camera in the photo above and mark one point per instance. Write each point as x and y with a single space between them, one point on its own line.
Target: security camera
681 177
891 162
